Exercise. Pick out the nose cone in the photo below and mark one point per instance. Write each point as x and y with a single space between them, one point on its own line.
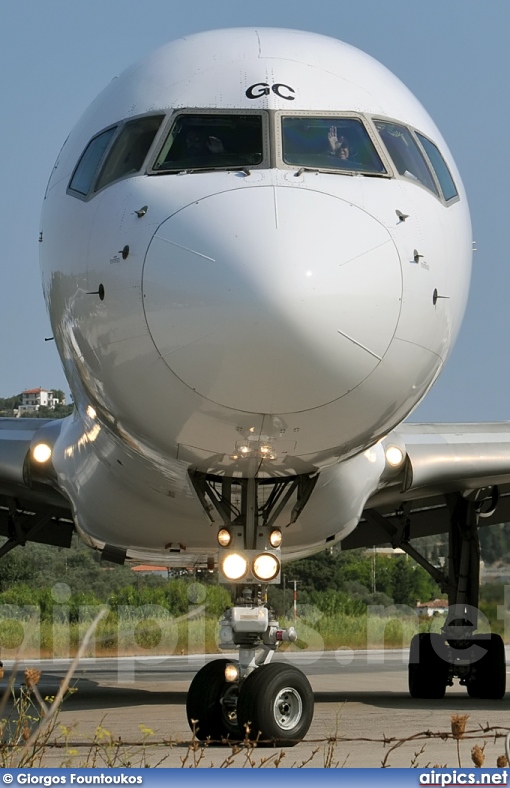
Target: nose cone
272 299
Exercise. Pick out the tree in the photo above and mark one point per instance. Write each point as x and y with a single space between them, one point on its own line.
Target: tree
8 404
58 394
403 590
495 543
58 412
17 568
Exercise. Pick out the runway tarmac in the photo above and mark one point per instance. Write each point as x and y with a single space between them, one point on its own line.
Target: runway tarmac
361 700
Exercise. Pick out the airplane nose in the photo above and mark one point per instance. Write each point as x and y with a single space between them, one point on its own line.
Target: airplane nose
272 299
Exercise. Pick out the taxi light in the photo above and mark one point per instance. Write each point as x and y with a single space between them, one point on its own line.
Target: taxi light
224 537
265 566
91 412
234 566
275 538
231 672
394 456
41 452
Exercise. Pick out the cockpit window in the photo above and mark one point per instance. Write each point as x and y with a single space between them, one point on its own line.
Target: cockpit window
89 162
440 168
405 153
129 150
209 141
333 143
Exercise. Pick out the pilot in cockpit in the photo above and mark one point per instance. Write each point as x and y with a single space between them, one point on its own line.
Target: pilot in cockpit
193 146
338 146
197 143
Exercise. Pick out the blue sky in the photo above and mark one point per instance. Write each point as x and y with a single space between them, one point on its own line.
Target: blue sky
56 55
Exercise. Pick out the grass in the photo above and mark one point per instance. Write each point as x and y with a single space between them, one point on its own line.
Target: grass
196 636
165 635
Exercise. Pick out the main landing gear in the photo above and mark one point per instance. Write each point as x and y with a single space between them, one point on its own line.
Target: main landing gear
250 698
435 659
479 662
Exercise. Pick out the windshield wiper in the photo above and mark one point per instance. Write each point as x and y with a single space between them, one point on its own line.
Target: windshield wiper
305 169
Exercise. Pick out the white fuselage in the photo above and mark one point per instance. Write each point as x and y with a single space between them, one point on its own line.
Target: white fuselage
273 321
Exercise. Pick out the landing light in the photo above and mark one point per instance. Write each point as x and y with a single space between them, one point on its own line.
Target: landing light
41 452
91 412
234 566
275 538
224 537
394 456
266 566
231 672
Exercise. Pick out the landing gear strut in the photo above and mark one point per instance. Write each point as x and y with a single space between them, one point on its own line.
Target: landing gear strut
436 659
250 698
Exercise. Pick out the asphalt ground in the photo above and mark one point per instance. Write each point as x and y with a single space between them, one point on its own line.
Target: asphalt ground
364 716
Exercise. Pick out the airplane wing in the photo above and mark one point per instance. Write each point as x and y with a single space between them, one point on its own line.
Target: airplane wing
30 507
443 461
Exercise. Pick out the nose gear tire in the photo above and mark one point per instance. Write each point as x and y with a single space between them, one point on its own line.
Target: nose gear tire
210 705
276 705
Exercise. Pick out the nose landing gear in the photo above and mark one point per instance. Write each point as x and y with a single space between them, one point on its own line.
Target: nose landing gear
251 698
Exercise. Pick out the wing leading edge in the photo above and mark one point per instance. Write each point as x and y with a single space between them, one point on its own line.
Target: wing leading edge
443 462
31 506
